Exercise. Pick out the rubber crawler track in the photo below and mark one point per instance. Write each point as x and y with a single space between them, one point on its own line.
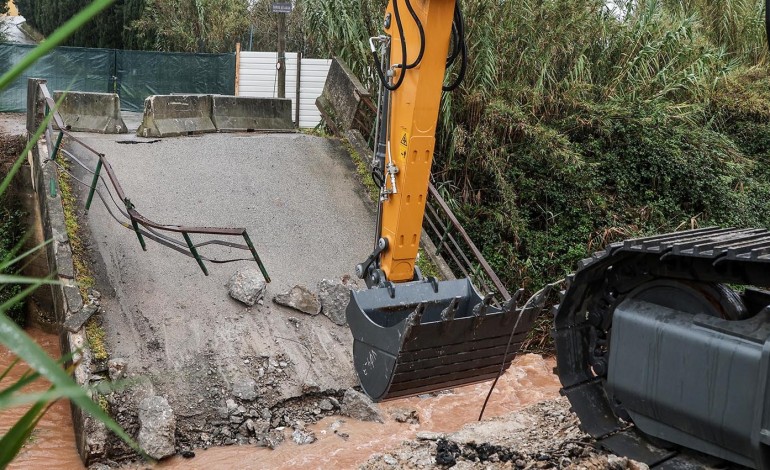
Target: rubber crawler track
711 255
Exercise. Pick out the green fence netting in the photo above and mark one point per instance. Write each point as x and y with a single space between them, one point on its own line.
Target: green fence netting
65 68
134 75
143 73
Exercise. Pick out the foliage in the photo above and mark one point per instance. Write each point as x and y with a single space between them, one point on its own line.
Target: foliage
193 25
11 335
109 29
11 227
577 126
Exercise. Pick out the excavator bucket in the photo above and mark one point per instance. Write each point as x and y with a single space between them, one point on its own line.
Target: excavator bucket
425 336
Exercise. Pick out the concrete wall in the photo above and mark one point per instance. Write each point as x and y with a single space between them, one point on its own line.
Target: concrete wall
342 96
90 434
238 114
91 112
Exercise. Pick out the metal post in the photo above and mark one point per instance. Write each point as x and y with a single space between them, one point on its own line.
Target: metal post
256 256
138 234
195 253
299 88
281 55
93 184
56 146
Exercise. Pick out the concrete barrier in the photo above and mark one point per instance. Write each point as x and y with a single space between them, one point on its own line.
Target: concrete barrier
174 115
342 97
241 114
91 112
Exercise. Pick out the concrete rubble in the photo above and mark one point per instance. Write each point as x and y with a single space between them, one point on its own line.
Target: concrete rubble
359 406
300 298
157 427
247 286
334 296
116 368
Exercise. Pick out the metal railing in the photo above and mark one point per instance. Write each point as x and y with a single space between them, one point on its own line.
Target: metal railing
455 246
40 103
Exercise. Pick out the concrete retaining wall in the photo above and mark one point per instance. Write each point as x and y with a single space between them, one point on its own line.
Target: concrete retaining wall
174 115
239 114
342 96
90 434
91 112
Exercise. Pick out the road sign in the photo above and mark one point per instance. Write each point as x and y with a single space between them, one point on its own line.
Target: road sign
282 7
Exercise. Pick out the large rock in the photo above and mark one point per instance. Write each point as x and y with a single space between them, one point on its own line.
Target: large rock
335 297
359 406
300 298
157 426
247 286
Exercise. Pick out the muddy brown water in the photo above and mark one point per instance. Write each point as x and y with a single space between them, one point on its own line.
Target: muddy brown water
52 444
342 443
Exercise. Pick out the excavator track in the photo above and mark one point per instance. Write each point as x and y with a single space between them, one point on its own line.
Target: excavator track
699 263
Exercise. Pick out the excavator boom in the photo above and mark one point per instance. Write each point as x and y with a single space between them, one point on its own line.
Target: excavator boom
411 334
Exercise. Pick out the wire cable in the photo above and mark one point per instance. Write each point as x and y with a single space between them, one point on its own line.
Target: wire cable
538 299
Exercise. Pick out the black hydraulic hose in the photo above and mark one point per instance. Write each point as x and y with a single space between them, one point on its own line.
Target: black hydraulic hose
422 35
455 41
463 50
400 80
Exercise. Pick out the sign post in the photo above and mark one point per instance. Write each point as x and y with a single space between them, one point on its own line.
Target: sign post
282 9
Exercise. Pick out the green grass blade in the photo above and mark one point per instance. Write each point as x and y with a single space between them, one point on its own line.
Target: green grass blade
12 442
56 38
12 279
6 393
9 369
5 264
24 347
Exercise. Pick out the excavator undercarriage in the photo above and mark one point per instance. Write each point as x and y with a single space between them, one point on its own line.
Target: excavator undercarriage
664 342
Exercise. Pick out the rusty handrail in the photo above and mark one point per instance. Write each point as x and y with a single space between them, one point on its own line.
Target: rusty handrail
137 219
467 239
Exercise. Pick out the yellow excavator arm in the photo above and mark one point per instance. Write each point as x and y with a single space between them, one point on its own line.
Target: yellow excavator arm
413 334
414 106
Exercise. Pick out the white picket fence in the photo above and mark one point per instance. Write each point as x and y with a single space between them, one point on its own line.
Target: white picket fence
258 77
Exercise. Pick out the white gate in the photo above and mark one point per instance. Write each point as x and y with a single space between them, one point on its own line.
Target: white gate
258 77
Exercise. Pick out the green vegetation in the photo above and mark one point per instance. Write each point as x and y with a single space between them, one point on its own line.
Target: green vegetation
12 336
576 127
83 274
11 226
108 29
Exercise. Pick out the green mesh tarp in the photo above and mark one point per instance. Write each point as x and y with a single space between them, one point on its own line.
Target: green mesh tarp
141 74
65 68
134 75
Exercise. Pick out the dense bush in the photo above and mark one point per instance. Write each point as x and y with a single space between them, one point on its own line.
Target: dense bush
578 125
11 225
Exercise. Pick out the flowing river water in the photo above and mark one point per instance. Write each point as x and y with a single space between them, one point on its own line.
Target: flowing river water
342 443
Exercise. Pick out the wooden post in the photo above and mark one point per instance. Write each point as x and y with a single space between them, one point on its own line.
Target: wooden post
299 88
237 69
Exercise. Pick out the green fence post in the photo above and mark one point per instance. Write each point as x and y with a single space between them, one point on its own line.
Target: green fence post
256 256
93 184
56 146
195 253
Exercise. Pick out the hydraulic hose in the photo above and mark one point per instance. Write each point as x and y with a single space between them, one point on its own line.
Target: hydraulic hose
463 49
422 35
381 74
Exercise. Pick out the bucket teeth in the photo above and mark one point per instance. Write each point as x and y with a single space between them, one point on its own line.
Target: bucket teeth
448 314
481 309
414 319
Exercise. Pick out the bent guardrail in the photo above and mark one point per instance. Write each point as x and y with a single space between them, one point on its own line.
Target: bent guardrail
40 104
